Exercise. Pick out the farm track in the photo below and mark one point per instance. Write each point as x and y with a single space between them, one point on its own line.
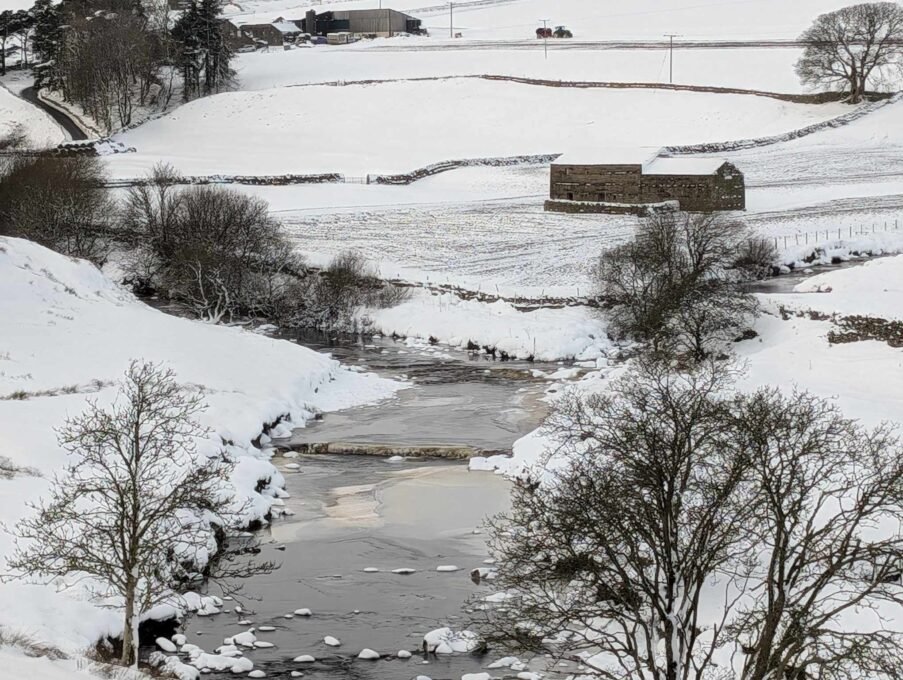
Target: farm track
74 131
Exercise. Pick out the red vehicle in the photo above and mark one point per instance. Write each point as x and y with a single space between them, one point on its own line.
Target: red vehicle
543 32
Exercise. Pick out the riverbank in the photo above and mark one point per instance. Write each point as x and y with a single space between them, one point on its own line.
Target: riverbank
67 334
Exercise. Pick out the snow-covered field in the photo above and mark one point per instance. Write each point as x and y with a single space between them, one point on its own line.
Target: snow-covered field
588 19
768 69
67 333
397 127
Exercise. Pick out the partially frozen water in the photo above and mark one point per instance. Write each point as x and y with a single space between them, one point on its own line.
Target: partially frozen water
355 514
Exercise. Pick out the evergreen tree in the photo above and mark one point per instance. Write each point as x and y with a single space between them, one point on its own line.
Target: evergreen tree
204 55
47 43
7 30
23 26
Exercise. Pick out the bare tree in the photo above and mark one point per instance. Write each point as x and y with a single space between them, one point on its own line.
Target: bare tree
151 212
60 203
827 545
348 283
847 47
610 557
136 504
682 525
675 286
215 249
221 253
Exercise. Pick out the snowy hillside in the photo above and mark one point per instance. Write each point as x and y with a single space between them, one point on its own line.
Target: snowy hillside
67 333
41 129
397 127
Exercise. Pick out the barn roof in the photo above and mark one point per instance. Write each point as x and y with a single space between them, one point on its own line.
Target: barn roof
683 166
631 155
286 26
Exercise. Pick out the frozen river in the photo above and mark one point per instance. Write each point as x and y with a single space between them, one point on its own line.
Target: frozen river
358 518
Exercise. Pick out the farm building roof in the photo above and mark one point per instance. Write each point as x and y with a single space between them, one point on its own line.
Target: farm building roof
286 26
610 156
683 166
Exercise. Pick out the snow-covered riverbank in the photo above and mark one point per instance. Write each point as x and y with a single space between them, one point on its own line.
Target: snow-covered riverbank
792 350
67 333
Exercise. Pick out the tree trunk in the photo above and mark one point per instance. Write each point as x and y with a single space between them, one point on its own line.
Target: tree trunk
855 96
129 655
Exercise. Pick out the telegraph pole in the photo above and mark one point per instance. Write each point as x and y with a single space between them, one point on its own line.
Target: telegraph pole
451 20
671 36
545 38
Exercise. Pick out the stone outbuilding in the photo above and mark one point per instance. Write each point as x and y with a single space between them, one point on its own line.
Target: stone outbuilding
634 180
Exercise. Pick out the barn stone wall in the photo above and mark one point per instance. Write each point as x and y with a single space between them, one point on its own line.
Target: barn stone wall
597 183
626 184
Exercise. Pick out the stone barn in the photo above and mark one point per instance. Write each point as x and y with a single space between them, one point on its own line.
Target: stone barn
632 180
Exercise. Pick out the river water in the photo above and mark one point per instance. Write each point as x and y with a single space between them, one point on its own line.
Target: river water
357 513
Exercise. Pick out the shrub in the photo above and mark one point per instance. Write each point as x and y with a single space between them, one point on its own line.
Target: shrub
60 203
676 285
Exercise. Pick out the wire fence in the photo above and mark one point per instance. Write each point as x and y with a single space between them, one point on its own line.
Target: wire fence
825 235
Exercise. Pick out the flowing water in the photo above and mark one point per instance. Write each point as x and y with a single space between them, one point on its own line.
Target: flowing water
357 514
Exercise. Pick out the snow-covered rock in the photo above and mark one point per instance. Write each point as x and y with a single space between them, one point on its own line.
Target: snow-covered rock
404 654
228 650
304 658
246 639
368 654
476 676
448 641
404 571
166 645
171 665
304 611
257 674
217 662
447 568
331 641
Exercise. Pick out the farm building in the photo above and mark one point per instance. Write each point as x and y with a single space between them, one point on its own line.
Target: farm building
274 34
367 22
616 180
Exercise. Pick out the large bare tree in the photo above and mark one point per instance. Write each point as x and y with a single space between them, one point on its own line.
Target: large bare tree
846 48
827 543
686 532
610 557
136 506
